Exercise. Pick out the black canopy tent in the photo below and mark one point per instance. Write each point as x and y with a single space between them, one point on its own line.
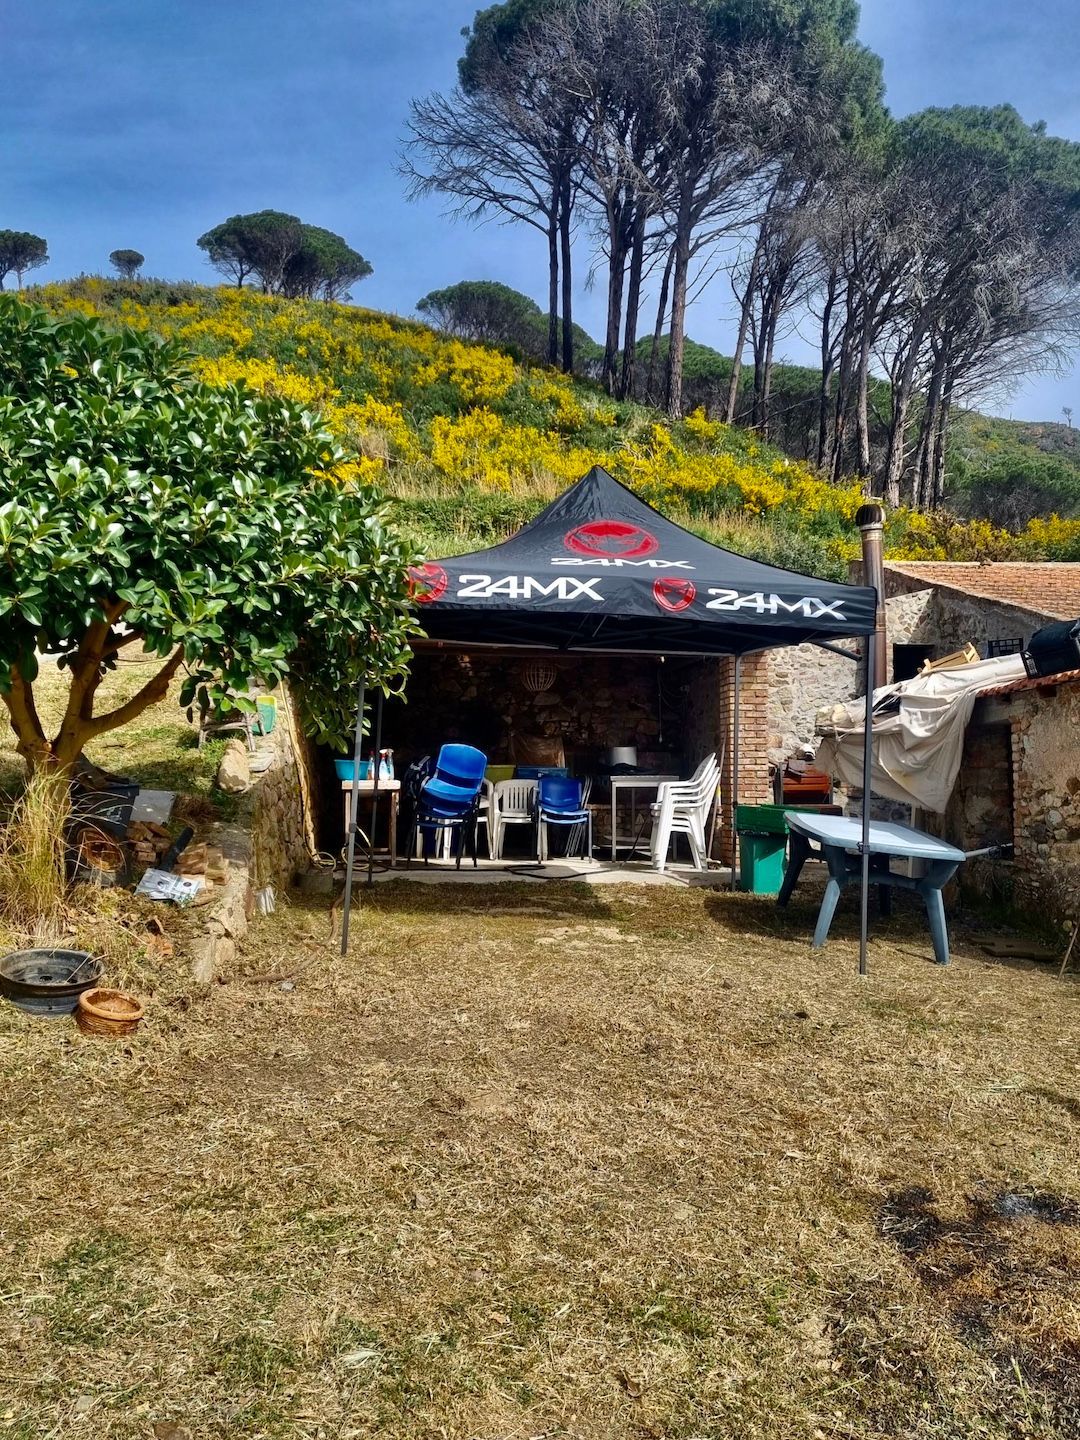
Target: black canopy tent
599 571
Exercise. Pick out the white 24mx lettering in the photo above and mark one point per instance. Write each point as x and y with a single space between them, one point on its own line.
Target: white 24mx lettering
528 587
809 605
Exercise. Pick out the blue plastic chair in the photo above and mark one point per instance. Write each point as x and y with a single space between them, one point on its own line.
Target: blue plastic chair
450 799
560 802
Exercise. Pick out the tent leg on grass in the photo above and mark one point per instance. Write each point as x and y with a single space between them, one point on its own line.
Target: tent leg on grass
864 847
354 814
375 785
735 765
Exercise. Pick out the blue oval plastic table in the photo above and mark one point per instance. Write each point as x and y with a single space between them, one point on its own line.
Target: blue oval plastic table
840 837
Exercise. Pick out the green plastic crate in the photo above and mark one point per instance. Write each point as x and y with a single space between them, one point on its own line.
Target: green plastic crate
769 819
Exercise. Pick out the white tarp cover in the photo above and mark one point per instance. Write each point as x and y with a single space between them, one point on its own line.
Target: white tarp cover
918 732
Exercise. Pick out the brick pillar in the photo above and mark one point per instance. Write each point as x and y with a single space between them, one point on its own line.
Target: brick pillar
754 783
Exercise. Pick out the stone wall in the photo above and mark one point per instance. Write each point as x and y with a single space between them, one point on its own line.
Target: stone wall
804 679
1044 723
270 840
594 703
277 809
948 619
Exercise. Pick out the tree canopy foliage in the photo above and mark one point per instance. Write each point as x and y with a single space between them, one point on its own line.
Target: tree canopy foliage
223 530
493 313
285 256
20 251
126 263
680 140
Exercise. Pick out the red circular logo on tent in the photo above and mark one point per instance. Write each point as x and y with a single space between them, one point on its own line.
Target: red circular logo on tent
611 540
673 593
427 583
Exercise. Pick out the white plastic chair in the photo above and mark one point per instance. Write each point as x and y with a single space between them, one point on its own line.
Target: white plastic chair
682 808
512 803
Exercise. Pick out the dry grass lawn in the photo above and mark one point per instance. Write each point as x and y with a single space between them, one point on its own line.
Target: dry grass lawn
540 1161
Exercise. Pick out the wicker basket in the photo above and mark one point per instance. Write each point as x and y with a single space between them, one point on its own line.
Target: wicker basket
108 1012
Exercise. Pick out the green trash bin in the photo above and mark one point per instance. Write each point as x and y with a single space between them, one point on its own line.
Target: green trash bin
762 859
762 848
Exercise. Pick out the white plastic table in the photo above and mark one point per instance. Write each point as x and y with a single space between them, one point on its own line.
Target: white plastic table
840 838
631 783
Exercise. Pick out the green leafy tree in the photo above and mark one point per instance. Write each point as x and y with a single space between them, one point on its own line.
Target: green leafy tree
260 244
488 311
20 251
323 267
218 529
284 255
126 262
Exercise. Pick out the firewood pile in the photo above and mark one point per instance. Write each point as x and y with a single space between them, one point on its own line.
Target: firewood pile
148 841
204 860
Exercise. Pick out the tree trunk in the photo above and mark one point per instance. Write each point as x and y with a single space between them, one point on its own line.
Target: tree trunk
658 329
757 345
901 406
766 381
937 493
922 465
633 306
677 333
79 724
843 391
862 398
824 456
565 206
616 279
553 285
745 311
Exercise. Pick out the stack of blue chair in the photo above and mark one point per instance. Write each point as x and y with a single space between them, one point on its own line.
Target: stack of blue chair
450 799
560 801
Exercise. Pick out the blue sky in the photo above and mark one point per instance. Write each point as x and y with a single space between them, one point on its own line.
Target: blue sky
143 122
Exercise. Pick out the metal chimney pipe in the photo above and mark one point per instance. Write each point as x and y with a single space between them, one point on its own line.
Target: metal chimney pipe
871 522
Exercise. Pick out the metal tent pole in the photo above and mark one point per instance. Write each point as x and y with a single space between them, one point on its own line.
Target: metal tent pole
864 846
735 765
358 741
375 786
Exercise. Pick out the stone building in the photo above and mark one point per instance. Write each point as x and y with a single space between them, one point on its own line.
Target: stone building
932 608
1019 782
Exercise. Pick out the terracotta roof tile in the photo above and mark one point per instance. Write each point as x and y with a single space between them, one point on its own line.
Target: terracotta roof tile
1043 587
1038 682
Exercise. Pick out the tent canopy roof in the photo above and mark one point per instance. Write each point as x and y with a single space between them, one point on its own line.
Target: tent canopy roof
601 571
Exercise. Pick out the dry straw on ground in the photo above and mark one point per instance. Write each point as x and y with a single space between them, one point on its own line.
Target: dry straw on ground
543 1161
32 872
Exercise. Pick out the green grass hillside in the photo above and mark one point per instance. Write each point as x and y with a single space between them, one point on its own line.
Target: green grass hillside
471 443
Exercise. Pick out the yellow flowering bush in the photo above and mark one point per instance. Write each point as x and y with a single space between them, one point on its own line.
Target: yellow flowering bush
1051 539
432 416
480 376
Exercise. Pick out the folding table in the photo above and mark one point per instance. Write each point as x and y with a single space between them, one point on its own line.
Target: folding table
365 790
631 783
840 837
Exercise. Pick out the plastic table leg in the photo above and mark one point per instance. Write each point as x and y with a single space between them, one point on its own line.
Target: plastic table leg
800 853
930 887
